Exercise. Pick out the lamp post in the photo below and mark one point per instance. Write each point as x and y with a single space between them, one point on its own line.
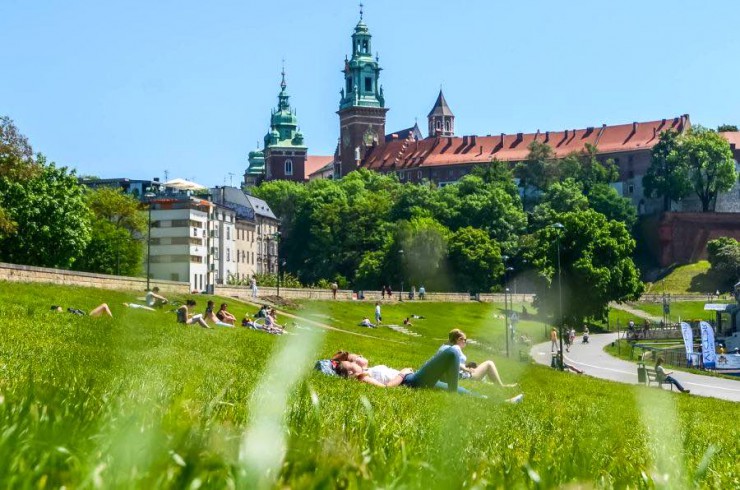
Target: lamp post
277 259
149 196
400 293
504 258
508 307
559 227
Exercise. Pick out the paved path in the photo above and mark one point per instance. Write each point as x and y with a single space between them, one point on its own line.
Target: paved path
634 311
592 359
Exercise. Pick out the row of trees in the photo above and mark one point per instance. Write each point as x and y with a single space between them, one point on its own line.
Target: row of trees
367 230
48 219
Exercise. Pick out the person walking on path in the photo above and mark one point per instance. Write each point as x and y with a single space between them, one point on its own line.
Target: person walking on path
422 292
378 317
382 291
253 285
553 340
334 287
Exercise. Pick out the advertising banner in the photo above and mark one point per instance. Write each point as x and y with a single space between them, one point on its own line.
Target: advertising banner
688 339
709 356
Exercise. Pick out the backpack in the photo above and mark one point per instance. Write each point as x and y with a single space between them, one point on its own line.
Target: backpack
325 366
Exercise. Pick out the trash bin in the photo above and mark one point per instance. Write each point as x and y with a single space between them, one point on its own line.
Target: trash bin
641 373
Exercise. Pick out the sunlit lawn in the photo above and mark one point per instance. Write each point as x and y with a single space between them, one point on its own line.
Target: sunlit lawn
139 401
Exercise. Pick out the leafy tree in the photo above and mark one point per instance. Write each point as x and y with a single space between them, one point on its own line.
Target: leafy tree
722 128
587 169
16 163
606 200
724 258
475 260
490 207
53 222
667 176
498 173
423 260
539 170
117 227
597 268
707 156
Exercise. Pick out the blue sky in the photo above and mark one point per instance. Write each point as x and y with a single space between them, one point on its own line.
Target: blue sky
134 88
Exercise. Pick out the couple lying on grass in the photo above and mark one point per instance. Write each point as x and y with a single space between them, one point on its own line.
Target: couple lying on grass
442 371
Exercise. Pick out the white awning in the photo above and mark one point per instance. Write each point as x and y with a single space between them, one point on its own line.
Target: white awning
184 185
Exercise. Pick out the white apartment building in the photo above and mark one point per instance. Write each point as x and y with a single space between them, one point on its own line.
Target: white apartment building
179 240
223 244
267 227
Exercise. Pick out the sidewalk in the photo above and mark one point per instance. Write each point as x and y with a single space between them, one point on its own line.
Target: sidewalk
597 363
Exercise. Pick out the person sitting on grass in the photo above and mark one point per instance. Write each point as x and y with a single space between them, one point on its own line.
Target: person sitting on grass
366 323
407 323
154 299
209 316
438 372
271 321
184 316
665 376
224 316
100 310
457 340
247 322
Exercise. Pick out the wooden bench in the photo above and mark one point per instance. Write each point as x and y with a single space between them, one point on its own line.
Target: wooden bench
652 377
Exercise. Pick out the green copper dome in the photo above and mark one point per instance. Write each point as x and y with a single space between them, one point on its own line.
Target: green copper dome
283 122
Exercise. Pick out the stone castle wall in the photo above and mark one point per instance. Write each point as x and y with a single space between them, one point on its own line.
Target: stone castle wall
683 236
25 273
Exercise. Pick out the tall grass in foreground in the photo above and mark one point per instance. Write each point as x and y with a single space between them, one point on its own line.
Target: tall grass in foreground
138 401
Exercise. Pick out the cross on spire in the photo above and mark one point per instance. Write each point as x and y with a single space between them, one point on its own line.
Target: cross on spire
361 12
282 83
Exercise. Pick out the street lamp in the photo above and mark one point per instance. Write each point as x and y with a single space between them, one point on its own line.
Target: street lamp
277 235
559 227
400 294
504 258
149 195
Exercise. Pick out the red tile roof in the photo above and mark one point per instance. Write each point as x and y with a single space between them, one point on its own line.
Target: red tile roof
443 151
315 163
733 137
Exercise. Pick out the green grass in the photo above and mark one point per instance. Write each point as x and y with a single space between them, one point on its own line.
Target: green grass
689 278
139 401
683 310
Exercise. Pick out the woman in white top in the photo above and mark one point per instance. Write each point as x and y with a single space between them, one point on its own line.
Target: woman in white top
457 341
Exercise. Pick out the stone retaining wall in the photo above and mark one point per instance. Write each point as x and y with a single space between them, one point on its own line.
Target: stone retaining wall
25 273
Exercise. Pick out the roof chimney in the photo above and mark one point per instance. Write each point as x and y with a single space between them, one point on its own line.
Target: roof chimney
566 134
472 140
502 139
519 136
634 127
547 136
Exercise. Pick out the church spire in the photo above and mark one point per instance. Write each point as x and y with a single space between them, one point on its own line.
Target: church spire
441 119
362 71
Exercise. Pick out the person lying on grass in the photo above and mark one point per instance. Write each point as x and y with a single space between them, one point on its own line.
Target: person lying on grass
184 316
271 321
438 372
100 310
137 306
367 323
457 340
210 316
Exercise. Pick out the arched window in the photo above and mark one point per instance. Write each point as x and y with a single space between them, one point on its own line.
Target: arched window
364 47
439 124
288 167
447 125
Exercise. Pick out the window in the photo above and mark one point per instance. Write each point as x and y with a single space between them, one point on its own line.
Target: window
368 84
228 255
418 175
349 85
288 167
447 125
631 189
439 124
365 46
228 233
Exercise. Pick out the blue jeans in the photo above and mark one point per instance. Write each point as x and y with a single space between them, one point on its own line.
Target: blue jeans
674 382
443 366
462 391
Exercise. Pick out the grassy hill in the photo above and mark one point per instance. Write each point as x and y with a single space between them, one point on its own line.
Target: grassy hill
683 279
138 401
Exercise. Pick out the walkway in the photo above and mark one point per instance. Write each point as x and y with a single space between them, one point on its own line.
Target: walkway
595 362
635 312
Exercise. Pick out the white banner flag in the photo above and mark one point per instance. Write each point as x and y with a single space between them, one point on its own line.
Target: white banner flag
709 356
688 339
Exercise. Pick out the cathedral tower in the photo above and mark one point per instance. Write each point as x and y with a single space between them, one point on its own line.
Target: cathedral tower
441 119
362 106
285 151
